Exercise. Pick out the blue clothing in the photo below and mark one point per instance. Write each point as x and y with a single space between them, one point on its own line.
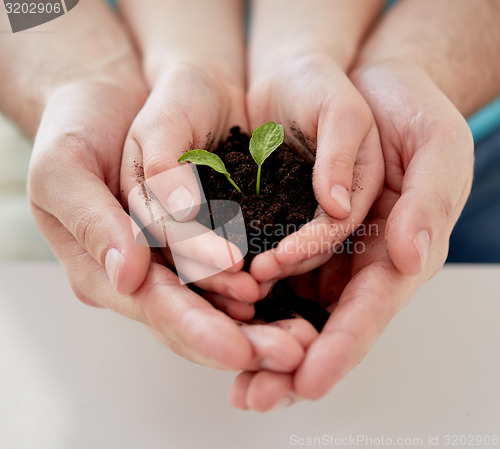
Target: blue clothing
486 121
474 238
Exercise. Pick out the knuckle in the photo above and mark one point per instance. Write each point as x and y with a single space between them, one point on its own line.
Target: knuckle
446 206
59 151
156 119
342 161
83 226
52 158
305 65
352 108
161 135
156 164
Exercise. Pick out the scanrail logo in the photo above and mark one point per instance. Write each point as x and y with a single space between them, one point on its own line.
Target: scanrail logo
24 15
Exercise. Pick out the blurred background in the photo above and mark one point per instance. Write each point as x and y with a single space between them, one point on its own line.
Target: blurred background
19 236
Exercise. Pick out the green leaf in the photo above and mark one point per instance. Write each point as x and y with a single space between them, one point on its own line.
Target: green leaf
266 139
204 157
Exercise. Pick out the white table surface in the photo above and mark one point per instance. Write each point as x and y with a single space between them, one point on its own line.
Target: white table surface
79 378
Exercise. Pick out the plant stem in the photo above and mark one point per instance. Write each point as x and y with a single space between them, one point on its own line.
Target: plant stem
233 183
258 180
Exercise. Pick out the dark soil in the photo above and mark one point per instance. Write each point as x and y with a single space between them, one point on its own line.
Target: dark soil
286 202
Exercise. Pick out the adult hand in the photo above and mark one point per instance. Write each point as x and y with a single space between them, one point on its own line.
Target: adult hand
86 95
73 188
428 151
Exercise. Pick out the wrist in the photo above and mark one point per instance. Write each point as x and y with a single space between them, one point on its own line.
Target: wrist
97 90
406 101
94 52
444 42
287 29
399 71
162 64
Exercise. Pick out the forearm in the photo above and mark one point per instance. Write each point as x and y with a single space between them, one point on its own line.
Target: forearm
201 33
87 44
456 42
283 30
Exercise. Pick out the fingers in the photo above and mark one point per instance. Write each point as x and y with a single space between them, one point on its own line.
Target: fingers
342 128
274 348
325 232
435 188
268 390
102 227
266 267
240 286
279 346
170 124
238 394
152 149
322 112
428 151
192 245
74 175
313 244
303 331
375 292
70 191
364 310
262 391
238 310
237 303
187 109
179 318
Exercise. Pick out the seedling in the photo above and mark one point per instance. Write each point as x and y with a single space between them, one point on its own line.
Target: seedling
265 140
203 157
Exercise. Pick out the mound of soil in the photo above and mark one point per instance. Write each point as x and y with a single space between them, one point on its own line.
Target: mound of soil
286 202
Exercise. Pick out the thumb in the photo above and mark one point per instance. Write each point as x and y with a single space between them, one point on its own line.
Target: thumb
175 186
435 188
83 203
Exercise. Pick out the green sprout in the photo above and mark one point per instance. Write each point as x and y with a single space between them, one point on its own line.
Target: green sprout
203 157
265 140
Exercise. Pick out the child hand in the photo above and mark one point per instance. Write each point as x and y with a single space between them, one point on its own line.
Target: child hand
324 116
189 107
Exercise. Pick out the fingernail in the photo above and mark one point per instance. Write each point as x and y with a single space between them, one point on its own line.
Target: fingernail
341 196
112 263
422 242
180 203
284 402
265 288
